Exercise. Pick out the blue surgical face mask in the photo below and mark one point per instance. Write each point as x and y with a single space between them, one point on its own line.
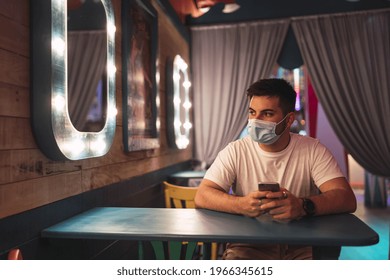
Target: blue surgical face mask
263 131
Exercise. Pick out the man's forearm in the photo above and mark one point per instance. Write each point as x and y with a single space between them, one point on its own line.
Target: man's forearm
215 199
334 201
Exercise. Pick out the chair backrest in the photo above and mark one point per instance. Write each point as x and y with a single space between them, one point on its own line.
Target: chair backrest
179 196
182 197
15 254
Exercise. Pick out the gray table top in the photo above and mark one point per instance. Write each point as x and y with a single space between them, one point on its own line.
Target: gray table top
166 224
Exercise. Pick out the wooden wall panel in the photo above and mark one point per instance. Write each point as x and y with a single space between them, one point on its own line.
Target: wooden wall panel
27 178
15 37
14 69
14 101
15 133
109 174
16 10
26 195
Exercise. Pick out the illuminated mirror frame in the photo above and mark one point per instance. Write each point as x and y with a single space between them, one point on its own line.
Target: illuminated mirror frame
53 130
178 109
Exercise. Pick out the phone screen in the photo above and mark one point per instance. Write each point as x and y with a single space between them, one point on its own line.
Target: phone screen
269 186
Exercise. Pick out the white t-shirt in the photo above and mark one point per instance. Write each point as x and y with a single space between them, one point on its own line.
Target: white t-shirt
300 168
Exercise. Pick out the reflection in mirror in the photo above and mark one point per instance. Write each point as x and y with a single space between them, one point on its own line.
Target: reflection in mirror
87 63
57 134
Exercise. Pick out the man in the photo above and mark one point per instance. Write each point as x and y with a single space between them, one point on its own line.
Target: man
310 179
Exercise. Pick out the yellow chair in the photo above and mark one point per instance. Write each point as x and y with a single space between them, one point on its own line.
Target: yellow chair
183 197
179 196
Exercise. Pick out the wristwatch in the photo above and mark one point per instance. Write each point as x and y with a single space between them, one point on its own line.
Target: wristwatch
308 206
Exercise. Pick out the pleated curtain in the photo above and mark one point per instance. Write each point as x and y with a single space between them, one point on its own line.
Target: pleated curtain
348 59
226 59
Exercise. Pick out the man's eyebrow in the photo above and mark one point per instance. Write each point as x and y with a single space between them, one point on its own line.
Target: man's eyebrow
267 111
264 110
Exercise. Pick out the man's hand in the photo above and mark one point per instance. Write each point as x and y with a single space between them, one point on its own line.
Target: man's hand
250 205
283 205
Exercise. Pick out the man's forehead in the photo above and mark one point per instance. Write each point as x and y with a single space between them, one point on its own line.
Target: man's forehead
266 98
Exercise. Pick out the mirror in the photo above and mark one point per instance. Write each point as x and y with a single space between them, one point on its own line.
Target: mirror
87 49
54 125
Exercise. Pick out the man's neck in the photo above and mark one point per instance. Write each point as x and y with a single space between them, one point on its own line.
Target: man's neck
279 145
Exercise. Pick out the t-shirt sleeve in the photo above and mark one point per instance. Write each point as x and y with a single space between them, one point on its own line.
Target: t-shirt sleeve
325 166
222 169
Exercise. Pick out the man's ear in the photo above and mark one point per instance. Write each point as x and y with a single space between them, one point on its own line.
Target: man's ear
290 119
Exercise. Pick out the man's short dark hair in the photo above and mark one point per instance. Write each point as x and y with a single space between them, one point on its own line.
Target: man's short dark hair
275 88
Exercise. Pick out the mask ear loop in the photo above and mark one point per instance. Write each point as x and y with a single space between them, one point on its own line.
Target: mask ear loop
285 127
289 117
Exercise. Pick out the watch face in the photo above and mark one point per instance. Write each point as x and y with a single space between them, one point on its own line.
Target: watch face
309 206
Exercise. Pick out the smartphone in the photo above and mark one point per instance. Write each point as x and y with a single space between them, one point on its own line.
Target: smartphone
269 186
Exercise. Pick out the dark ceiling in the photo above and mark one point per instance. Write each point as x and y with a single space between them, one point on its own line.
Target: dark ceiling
290 57
188 10
190 14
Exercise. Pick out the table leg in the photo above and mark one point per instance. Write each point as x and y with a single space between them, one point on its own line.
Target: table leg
174 250
140 251
206 251
191 246
158 248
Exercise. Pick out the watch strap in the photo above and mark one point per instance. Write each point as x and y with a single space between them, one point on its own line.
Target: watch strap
308 206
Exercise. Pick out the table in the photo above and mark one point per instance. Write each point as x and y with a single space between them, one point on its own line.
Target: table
171 224
189 178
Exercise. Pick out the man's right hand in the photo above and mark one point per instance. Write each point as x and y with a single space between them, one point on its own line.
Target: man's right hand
249 205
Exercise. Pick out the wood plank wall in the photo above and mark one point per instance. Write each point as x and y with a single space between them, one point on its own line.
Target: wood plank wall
27 178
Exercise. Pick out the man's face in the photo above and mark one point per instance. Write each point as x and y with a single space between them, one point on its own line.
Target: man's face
267 108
